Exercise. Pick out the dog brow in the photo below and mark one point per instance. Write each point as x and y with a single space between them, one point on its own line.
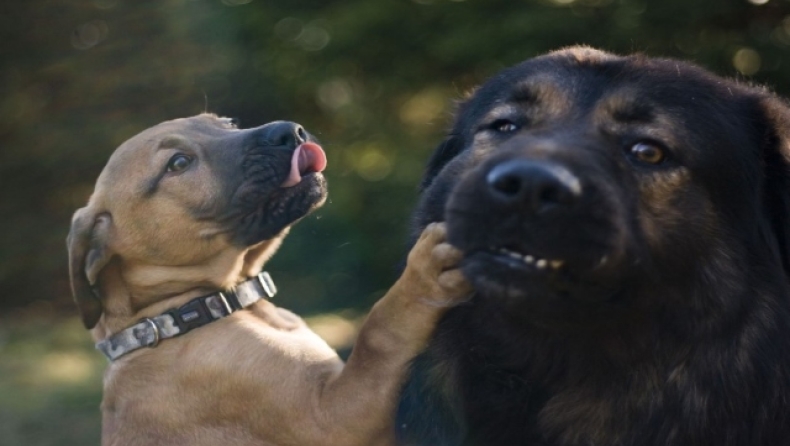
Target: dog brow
628 110
170 141
524 93
633 113
542 94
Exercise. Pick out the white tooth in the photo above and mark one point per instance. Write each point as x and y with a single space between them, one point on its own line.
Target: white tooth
514 255
556 263
541 263
529 259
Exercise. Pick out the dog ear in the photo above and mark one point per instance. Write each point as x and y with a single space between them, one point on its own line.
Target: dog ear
88 254
776 161
444 153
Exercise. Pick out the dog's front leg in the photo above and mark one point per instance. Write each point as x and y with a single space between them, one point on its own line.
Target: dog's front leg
357 406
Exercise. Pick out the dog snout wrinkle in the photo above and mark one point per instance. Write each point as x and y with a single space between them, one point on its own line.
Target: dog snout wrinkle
282 133
537 185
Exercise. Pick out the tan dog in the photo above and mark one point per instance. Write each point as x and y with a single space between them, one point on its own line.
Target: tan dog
194 206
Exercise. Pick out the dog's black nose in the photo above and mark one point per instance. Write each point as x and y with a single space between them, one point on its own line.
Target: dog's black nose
282 133
539 185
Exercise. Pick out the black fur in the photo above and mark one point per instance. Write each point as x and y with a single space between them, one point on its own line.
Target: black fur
666 319
258 208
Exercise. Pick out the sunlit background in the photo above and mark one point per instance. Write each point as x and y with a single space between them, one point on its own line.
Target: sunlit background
374 80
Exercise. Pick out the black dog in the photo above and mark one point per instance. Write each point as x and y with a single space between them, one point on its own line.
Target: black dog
626 224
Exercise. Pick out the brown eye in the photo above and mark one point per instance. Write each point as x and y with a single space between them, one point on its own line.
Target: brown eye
648 153
178 163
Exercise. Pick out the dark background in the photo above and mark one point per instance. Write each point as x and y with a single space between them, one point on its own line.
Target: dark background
374 80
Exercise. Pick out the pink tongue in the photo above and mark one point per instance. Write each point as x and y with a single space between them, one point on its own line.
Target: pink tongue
308 157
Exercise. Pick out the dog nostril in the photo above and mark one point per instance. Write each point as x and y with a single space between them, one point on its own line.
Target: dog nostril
301 135
281 133
551 193
508 185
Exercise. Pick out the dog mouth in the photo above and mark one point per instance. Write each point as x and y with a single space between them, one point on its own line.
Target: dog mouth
308 159
279 189
527 262
545 290
518 259
517 270
513 272
304 187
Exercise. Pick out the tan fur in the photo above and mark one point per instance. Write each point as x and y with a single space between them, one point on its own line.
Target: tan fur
259 376
584 55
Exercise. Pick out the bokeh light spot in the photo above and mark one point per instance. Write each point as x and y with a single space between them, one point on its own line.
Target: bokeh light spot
423 108
65 368
334 94
288 28
338 330
370 163
313 37
89 34
747 61
758 2
687 42
235 2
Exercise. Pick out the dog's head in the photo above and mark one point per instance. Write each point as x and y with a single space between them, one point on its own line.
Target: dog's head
192 202
585 187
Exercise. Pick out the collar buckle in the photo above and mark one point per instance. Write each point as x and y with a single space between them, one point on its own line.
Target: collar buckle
157 336
226 303
267 284
191 315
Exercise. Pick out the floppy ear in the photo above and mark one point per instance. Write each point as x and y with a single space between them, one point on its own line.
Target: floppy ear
776 161
446 151
88 254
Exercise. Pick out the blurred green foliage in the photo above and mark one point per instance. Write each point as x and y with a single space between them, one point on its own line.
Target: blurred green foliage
374 80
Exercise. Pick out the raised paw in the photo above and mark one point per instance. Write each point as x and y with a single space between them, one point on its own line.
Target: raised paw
433 267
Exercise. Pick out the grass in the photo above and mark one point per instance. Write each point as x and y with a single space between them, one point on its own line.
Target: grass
50 383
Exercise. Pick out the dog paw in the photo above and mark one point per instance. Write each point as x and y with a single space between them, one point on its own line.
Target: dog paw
432 266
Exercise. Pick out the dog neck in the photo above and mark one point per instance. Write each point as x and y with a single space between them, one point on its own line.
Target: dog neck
194 314
132 292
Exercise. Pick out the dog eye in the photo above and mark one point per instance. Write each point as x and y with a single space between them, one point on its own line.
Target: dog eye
647 153
504 126
178 163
